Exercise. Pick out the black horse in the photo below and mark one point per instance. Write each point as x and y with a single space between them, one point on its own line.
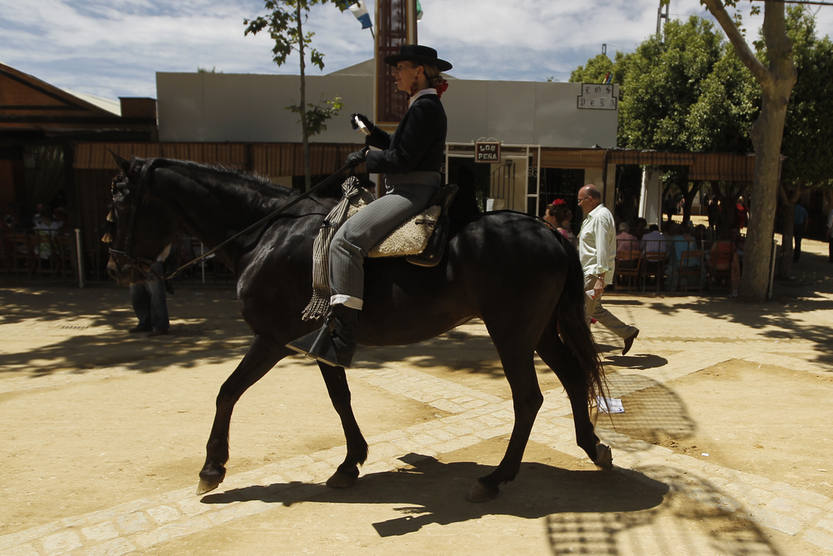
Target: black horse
521 278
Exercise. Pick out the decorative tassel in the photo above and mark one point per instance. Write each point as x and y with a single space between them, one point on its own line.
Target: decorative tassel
106 238
321 291
110 216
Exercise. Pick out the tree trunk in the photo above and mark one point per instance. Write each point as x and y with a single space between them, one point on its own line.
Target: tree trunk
776 81
766 137
688 199
303 112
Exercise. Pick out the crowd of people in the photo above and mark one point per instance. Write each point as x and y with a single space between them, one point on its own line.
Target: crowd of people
34 239
676 251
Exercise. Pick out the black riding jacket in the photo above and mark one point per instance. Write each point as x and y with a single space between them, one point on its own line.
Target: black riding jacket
418 144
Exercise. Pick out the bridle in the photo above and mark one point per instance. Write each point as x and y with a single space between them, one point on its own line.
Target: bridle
124 257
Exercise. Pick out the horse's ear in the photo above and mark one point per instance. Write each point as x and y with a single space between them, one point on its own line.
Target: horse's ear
123 164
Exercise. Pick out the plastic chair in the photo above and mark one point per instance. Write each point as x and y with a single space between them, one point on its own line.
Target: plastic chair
691 270
20 252
655 263
63 253
720 262
628 268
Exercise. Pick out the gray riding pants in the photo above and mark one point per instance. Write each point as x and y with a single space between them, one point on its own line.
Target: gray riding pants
406 195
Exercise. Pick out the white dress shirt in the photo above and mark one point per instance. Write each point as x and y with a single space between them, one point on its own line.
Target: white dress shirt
597 244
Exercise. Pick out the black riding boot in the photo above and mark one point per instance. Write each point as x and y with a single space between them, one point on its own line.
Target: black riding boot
335 342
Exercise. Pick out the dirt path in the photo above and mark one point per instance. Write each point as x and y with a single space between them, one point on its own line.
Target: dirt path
723 446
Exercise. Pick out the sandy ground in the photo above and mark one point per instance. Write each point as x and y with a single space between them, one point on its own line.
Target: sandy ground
726 411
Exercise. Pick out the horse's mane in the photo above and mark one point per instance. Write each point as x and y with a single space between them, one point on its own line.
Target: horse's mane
255 182
266 194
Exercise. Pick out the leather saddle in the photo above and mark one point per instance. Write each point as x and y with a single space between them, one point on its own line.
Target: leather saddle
423 238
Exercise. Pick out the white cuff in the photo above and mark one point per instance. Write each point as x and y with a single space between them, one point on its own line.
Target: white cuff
347 301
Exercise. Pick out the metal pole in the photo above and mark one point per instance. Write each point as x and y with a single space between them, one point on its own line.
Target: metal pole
79 259
202 262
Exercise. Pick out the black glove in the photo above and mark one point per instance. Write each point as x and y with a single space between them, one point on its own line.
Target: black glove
357 157
365 121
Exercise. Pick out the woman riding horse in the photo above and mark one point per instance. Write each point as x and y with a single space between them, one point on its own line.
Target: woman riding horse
411 160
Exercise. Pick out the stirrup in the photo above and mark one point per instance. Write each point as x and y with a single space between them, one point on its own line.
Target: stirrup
319 345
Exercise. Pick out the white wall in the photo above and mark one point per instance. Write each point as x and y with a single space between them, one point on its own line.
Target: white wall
251 108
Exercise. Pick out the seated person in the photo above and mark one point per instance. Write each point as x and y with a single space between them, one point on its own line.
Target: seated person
627 244
721 256
679 241
654 241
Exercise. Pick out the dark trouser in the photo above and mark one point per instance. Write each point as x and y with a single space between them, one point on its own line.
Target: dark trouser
365 229
797 237
149 302
830 250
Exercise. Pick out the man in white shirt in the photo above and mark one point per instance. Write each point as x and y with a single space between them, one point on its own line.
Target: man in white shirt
597 250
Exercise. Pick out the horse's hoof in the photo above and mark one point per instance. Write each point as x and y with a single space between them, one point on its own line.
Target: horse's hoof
482 493
210 478
206 486
342 480
604 457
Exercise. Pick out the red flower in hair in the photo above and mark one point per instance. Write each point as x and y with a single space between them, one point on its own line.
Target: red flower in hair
558 202
441 86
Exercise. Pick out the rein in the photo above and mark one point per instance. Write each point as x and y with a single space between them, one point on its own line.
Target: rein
258 223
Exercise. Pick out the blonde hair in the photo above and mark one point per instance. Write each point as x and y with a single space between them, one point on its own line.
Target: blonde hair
432 74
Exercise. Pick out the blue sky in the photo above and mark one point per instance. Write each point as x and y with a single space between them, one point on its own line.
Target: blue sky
113 48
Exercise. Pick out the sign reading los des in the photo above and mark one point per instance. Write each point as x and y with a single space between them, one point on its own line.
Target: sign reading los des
597 96
487 151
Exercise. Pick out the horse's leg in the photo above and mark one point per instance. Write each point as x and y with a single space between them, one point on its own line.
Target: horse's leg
347 473
568 370
261 357
519 369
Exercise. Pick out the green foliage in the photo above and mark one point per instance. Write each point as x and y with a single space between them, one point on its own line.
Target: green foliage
318 114
729 100
808 134
676 91
594 72
284 21
286 28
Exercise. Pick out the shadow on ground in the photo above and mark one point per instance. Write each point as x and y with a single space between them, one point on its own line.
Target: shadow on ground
587 512
207 327
435 492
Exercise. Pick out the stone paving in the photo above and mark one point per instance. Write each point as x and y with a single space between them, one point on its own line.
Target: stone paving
468 417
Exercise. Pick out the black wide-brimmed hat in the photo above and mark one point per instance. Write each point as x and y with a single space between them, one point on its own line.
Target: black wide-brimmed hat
419 54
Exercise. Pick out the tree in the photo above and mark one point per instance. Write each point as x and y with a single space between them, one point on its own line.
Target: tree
285 23
597 69
808 137
686 92
663 81
776 80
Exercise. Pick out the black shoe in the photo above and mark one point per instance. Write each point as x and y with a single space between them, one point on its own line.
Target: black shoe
629 342
335 342
158 332
139 328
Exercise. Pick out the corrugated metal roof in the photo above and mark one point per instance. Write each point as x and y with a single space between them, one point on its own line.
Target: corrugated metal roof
112 106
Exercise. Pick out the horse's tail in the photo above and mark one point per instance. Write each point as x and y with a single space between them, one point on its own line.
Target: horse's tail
573 327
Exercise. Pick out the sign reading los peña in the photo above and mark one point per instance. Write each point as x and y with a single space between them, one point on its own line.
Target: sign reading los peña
487 151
